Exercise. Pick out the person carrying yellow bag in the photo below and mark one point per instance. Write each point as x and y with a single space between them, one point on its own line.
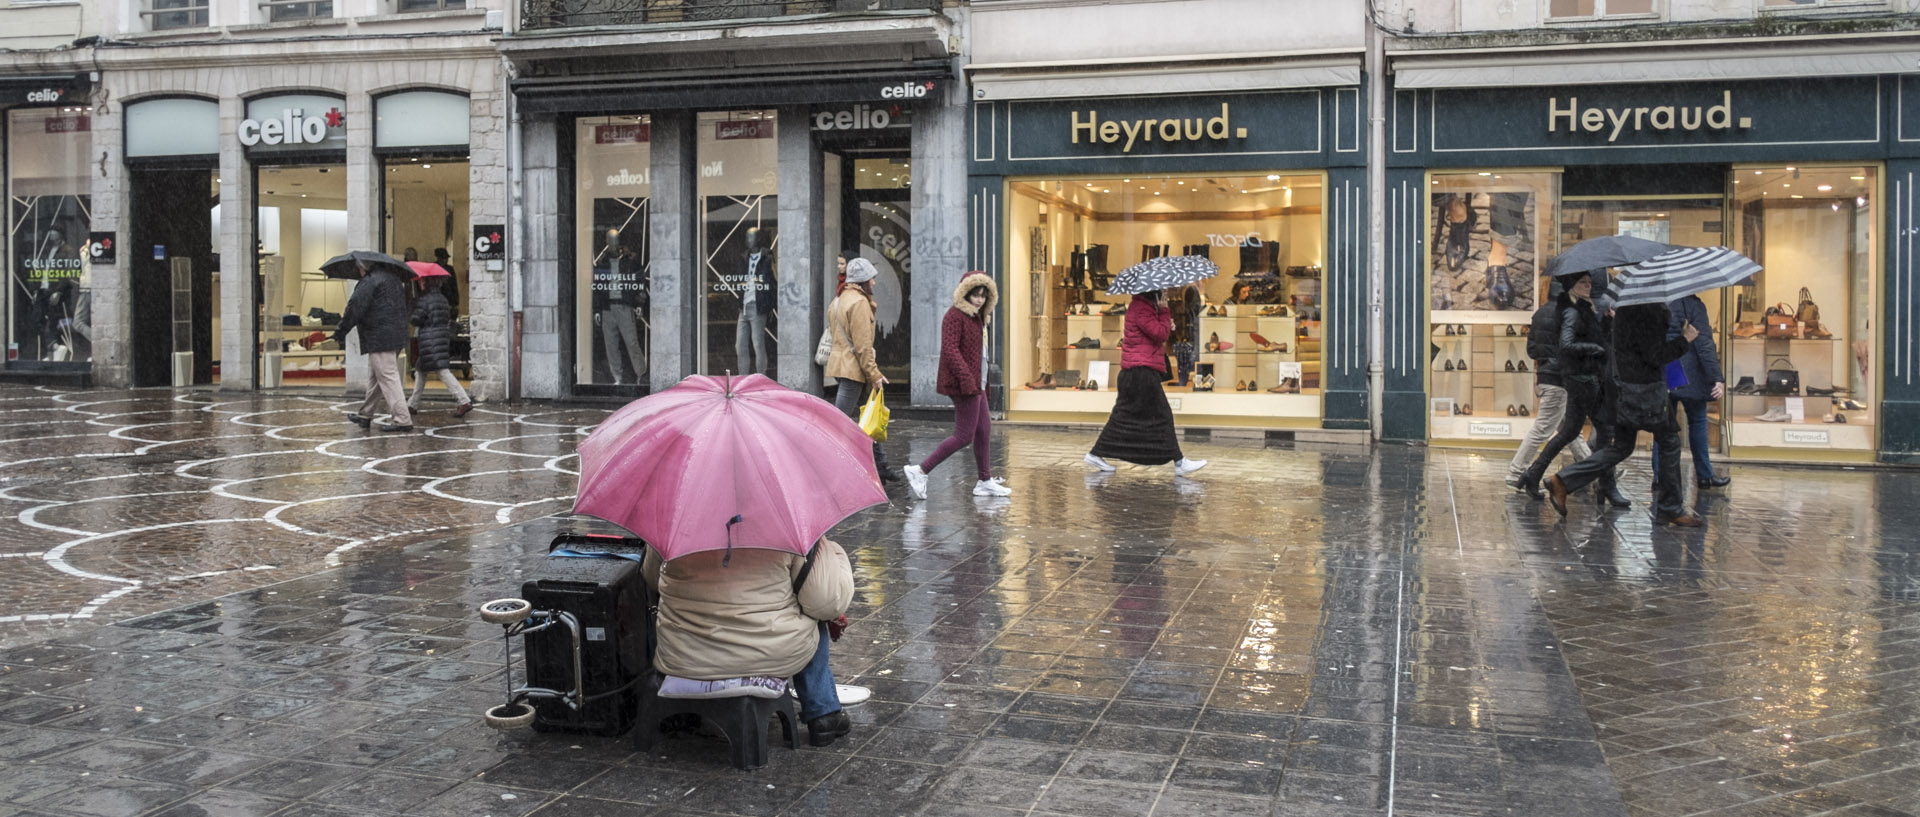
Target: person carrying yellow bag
852 362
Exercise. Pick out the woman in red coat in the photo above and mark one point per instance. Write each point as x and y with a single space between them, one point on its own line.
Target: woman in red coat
961 335
1140 429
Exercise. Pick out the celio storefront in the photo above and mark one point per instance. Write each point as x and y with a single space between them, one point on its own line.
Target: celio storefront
1067 192
224 229
1812 176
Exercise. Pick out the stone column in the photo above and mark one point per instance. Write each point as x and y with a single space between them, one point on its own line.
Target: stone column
239 340
486 303
541 370
363 215
939 218
112 293
673 234
801 211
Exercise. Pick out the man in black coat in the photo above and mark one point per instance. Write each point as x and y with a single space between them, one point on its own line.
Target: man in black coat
1641 352
1543 346
378 308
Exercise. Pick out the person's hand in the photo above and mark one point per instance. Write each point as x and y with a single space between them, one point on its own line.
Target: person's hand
881 382
1687 331
1719 389
596 319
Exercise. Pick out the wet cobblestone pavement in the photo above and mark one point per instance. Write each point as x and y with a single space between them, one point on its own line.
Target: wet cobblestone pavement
221 605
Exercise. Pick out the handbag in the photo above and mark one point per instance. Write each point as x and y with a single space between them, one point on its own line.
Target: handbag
1781 323
1639 405
1782 380
824 352
873 416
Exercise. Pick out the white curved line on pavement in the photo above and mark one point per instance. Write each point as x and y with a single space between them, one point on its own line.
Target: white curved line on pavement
30 516
25 555
433 488
505 515
57 557
243 419
488 445
273 516
212 573
223 489
332 559
554 464
93 605
185 468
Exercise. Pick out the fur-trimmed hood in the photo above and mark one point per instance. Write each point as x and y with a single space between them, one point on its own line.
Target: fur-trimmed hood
966 285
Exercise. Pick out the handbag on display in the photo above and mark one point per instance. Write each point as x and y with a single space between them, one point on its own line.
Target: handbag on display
1782 377
1781 323
1809 316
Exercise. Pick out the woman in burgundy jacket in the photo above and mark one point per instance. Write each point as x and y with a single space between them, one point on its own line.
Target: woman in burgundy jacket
1140 429
960 378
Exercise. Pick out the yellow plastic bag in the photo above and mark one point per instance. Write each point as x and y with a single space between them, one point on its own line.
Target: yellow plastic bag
873 417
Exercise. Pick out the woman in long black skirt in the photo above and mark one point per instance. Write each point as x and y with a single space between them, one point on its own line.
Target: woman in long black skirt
1140 429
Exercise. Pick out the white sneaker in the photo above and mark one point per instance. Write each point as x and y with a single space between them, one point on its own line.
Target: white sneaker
1777 414
916 481
992 487
1186 466
1096 462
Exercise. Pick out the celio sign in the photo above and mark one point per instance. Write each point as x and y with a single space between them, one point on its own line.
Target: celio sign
293 127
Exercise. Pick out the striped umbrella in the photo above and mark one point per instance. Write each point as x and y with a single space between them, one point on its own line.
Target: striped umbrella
1164 272
1681 272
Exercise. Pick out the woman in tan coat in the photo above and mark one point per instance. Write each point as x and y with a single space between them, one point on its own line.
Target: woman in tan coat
750 614
852 362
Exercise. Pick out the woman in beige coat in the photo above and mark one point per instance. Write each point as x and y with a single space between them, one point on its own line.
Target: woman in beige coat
755 613
852 362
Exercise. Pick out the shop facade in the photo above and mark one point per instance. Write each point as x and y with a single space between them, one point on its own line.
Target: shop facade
1268 183
688 222
1494 169
51 290
225 191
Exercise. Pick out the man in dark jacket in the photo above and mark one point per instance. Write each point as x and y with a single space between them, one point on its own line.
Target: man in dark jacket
1641 352
1701 365
1543 346
378 308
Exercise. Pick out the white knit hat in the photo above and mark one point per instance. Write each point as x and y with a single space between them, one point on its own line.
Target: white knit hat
860 271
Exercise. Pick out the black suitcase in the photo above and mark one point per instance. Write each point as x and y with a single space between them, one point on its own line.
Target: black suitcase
608 597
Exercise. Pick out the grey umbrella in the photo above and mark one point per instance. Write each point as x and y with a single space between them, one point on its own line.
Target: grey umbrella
348 266
1682 272
1602 253
1165 272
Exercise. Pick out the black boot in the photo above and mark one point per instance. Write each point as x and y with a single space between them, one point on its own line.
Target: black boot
1609 494
826 729
1530 483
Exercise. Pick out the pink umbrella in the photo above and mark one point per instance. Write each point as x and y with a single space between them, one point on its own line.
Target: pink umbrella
718 462
426 269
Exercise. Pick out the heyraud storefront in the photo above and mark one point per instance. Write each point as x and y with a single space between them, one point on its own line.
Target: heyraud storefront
1811 176
1068 191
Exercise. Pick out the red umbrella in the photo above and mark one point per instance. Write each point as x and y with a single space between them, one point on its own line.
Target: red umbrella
426 269
721 462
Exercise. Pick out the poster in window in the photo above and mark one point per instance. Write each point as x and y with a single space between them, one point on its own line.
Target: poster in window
51 320
1485 252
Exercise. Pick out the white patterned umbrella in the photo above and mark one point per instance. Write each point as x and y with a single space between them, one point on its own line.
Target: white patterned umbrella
1679 273
1165 272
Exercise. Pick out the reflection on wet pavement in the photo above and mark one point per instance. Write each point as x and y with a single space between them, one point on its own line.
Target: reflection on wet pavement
1298 631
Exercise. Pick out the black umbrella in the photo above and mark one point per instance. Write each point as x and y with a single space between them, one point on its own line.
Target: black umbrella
1165 272
1602 253
348 266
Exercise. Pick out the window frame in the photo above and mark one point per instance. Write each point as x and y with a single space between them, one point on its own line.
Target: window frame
427 6
1764 7
273 10
199 14
1658 12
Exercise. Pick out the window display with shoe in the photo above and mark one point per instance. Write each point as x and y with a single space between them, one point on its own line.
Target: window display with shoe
1246 342
1798 360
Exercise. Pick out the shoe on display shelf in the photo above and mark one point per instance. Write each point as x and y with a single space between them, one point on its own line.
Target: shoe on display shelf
1777 414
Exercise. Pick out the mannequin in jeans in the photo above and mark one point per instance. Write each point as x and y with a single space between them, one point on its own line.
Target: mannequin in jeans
756 303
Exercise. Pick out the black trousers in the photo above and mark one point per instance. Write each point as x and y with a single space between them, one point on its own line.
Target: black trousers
1668 500
1583 404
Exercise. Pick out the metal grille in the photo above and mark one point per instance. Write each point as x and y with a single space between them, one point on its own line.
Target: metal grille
540 14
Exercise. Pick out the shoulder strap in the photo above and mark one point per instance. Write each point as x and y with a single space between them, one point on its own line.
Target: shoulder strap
806 569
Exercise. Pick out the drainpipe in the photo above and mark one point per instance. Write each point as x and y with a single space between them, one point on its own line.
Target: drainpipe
1377 224
516 278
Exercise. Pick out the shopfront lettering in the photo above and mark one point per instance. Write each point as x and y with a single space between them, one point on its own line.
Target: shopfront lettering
293 127
906 90
1233 240
1136 131
743 129
46 95
859 117
627 178
1616 121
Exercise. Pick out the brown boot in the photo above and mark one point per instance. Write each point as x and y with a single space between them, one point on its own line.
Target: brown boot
1685 520
1557 494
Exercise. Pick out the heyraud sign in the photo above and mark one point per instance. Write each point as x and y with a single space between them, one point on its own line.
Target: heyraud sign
1268 123
1612 121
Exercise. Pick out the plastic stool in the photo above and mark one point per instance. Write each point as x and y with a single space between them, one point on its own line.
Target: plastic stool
742 718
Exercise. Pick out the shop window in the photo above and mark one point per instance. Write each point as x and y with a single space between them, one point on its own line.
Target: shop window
1245 342
1590 9
882 190
165 14
301 222
50 316
429 5
280 11
1489 233
611 327
1800 368
740 242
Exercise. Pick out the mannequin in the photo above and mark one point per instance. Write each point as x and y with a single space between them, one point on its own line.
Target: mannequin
756 303
618 288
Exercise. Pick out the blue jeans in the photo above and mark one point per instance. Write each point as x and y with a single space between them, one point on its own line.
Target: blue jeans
1696 439
814 683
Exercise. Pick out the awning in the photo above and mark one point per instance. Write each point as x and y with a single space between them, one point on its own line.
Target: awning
991 82
1589 67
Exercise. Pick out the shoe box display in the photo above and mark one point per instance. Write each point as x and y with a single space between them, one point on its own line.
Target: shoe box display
1267 349
1480 370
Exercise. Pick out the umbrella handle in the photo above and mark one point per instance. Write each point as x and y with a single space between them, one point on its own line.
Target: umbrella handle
728 558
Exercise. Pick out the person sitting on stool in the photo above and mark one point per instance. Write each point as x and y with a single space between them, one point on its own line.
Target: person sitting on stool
749 613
